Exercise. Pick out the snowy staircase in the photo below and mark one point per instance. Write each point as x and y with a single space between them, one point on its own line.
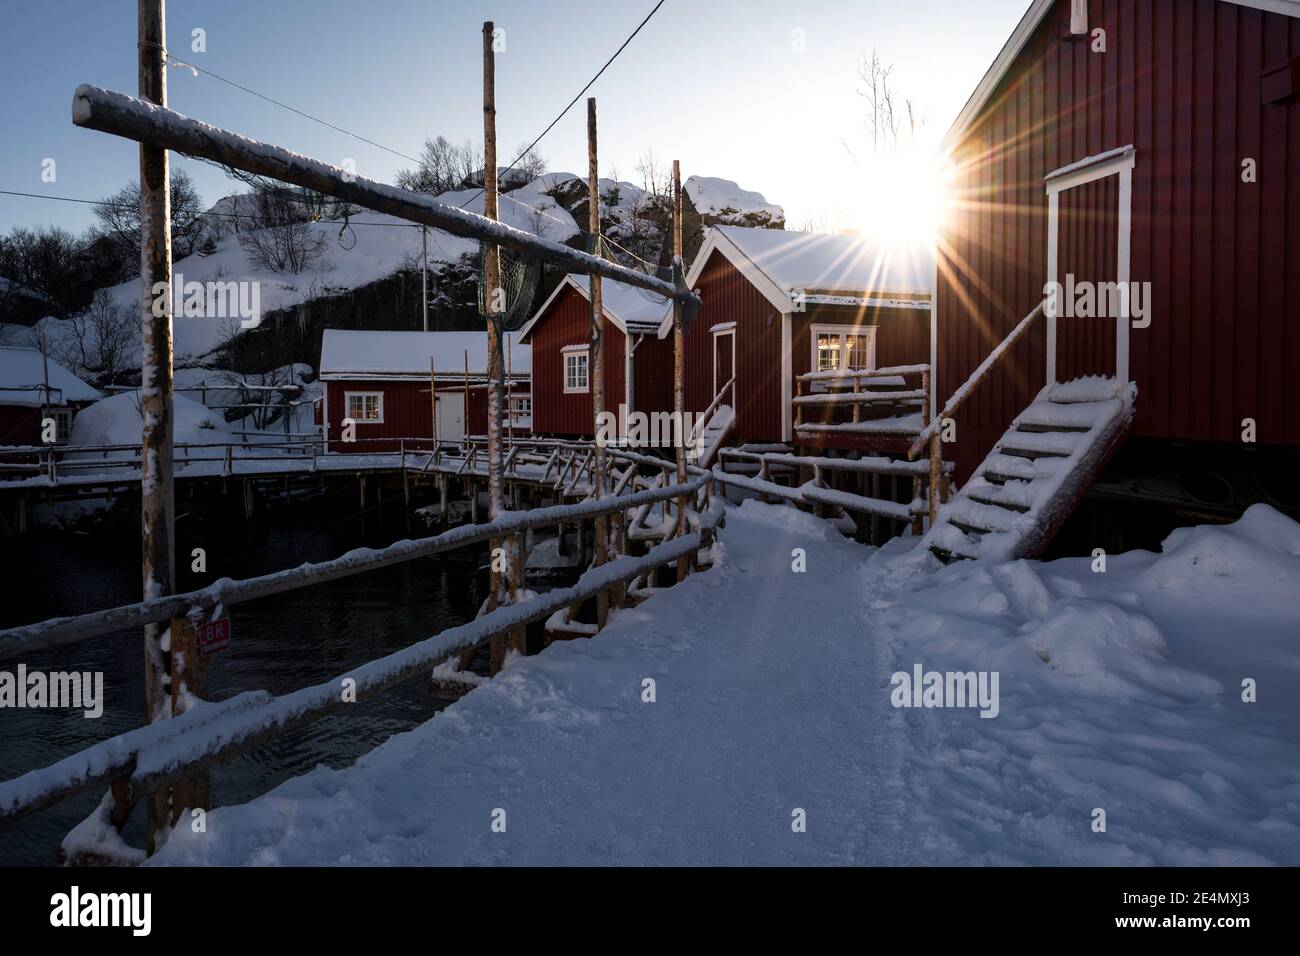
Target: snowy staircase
1035 475
713 432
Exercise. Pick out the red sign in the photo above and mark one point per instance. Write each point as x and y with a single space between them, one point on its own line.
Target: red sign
214 636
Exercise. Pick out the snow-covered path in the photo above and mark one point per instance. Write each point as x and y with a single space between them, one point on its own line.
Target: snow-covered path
1119 690
766 701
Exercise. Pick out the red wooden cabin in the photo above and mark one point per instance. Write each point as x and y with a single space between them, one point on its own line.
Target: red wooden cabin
33 388
380 380
638 363
777 305
1113 141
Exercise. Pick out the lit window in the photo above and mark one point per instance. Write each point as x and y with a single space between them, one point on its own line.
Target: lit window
365 406
575 370
835 348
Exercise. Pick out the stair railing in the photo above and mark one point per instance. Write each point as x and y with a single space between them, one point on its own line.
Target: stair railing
702 421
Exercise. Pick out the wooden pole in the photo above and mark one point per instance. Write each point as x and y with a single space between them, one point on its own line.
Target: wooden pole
157 501
433 404
597 370
504 587
679 367
424 274
189 681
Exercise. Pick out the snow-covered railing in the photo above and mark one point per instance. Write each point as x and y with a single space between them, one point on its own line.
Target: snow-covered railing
870 387
967 387
142 761
59 631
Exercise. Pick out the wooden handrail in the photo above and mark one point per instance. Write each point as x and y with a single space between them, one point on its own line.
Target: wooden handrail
977 376
27 638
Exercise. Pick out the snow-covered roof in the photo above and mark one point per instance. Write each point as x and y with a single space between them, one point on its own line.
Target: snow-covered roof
812 268
356 354
22 380
630 309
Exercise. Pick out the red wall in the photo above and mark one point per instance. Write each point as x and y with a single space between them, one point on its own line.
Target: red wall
1181 82
406 415
727 296
567 323
20 425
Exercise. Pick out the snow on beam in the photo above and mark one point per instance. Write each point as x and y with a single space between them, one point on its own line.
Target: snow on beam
122 115
17 641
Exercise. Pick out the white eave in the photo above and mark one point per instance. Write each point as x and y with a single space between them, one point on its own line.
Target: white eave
781 299
570 282
1029 23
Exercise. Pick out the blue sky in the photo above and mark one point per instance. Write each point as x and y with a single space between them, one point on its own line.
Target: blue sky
715 84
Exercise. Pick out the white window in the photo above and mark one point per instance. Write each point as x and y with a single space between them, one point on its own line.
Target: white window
843 347
521 407
575 369
62 424
364 407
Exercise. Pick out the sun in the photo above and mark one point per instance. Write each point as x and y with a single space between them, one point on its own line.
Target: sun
901 200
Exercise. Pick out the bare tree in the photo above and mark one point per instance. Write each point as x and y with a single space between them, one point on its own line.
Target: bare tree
281 237
443 166
100 340
119 218
887 111
42 262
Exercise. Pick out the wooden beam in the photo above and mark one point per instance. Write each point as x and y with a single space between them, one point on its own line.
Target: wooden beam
122 115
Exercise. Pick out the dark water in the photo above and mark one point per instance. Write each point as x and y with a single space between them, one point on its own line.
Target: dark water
279 644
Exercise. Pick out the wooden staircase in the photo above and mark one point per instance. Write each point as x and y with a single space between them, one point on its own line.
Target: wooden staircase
713 427
1031 481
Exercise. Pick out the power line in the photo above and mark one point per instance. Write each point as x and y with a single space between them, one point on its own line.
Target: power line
589 85
286 106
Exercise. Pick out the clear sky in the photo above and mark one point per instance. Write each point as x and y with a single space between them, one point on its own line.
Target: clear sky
720 85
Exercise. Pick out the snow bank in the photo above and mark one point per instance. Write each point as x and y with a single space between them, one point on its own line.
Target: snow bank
118 421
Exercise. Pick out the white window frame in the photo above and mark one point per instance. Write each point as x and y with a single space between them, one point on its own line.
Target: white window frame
347 407
841 330
61 433
723 328
574 352
1116 162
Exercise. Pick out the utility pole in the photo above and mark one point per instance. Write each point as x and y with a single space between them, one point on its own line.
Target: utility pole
679 365
596 378
424 274
157 505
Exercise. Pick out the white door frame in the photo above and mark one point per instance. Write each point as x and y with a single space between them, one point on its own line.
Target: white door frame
1116 161
727 328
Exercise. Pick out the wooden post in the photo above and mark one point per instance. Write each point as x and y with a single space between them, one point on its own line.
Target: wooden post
157 502
597 370
189 681
679 367
505 589
433 404
424 276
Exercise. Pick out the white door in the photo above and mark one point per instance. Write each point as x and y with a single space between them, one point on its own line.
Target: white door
451 416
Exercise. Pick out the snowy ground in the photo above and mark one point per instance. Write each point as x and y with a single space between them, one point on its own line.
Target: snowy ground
1118 690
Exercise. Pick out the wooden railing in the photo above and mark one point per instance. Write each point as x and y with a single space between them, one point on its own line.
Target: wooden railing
169 752
967 387
863 395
